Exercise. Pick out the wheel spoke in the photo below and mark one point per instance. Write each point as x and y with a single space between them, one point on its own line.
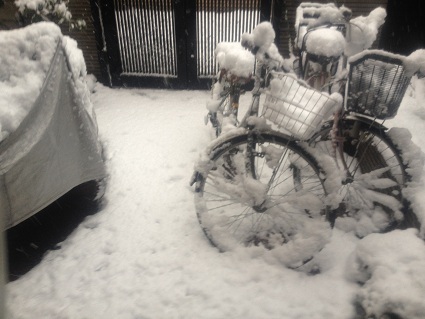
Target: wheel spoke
368 149
227 195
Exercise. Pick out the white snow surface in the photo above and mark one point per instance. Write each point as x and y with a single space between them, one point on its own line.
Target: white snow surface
145 256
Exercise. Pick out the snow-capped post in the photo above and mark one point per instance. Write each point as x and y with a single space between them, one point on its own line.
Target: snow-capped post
57 11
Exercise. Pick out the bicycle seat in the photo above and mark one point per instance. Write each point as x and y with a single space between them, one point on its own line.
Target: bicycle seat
321 59
232 77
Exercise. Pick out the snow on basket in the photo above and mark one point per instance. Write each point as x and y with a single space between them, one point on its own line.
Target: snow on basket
297 108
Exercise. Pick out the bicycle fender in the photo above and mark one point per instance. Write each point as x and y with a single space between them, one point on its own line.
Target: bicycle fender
368 121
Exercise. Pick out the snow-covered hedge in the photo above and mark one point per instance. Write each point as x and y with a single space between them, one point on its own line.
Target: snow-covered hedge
32 11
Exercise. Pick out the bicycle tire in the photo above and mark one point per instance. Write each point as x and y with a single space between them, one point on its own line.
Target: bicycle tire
372 194
258 203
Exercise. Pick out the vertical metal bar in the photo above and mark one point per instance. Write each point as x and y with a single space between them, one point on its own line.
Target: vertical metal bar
216 26
152 37
121 31
247 17
162 54
169 36
205 34
199 42
249 14
136 27
164 49
136 42
142 45
212 25
119 36
129 36
207 37
223 15
230 26
224 22
236 14
118 23
147 33
171 32
156 35
144 34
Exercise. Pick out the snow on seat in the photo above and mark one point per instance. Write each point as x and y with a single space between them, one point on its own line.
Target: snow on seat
234 60
325 42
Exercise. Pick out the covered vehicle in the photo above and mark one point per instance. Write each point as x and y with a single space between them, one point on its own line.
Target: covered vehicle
48 132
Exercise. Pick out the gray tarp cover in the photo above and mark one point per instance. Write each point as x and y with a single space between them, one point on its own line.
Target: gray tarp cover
54 149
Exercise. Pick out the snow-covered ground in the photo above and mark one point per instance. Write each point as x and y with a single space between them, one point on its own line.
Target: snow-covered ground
145 256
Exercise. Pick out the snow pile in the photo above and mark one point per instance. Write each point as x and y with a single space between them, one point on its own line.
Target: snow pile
260 39
391 271
79 77
311 15
261 42
234 59
415 63
414 159
325 42
25 56
236 63
361 33
317 14
364 30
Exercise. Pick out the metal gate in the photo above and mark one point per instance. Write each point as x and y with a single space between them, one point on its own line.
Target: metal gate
170 43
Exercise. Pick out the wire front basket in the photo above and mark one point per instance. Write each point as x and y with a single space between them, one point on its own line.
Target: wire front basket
297 108
376 85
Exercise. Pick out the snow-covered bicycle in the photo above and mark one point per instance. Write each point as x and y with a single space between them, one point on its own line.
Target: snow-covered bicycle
373 83
279 180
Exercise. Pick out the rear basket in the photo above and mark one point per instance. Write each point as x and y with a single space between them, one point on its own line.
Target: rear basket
376 85
297 108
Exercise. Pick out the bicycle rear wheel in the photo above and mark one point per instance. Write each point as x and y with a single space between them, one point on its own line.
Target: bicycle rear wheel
372 191
248 196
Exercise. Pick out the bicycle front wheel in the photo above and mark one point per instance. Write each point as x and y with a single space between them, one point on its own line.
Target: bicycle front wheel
248 196
375 175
